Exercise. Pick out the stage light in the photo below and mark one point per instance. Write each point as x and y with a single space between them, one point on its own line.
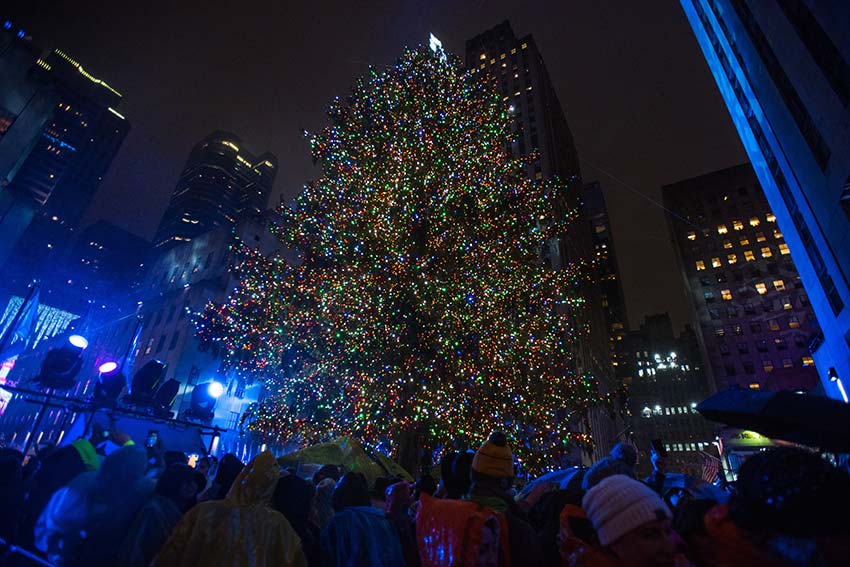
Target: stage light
215 389
146 382
202 403
108 367
78 341
166 395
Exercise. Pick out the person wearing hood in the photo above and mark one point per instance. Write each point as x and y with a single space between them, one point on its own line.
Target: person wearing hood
176 492
228 469
239 531
358 534
85 522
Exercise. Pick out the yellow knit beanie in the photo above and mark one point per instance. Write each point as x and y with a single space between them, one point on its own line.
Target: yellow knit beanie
494 457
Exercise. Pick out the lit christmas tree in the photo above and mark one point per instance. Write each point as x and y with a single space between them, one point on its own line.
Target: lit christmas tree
422 312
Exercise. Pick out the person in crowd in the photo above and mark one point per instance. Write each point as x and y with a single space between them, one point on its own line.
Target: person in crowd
398 502
323 510
11 491
492 473
85 522
454 474
789 509
658 458
378 494
176 492
241 529
204 465
358 533
632 523
58 469
621 460
425 484
175 458
293 497
228 469
326 471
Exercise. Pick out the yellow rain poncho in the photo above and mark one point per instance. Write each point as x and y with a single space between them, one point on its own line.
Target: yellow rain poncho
240 531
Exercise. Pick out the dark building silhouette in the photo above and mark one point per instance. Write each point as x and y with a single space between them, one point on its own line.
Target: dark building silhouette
668 381
515 67
755 320
60 134
221 183
783 69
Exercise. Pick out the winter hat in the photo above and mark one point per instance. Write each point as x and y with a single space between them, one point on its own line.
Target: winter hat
494 457
619 504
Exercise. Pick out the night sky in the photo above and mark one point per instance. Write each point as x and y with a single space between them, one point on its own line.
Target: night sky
639 98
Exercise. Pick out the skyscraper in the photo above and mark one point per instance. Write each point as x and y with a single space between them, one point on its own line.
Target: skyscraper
59 135
221 183
783 69
755 320
515 67
608 277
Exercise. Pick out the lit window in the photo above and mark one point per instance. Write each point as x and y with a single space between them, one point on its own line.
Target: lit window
719 332
755 221
502 56
770 217
783 249
692 236
731 258
524 45
767 365
773 325
779 285
760 237
715 262
727 244
765 252
744 241
737 225
700 265
749 256
754 386
808 361
787 363
786 303
777 235
722 229
726 294
793 322
513 51
483 56
761 288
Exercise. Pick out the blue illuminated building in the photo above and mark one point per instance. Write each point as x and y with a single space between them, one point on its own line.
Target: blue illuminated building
783 69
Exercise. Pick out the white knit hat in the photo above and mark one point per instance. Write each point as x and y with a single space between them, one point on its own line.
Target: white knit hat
619 504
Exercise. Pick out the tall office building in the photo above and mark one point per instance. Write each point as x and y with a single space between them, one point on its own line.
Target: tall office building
783 69
221 183
668 381
515 67
608 277
59 132
755 319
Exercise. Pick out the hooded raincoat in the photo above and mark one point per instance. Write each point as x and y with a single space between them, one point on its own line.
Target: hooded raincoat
240 531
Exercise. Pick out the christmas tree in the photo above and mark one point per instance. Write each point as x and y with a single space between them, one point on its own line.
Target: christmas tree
423 310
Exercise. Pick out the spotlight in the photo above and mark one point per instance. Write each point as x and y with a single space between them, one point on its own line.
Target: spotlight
108 367
146 382
202 403
62 364
110 382
215 389
165 396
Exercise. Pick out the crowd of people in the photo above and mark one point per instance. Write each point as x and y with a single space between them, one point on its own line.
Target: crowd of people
104 501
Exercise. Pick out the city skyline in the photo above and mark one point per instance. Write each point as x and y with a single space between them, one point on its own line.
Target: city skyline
607 92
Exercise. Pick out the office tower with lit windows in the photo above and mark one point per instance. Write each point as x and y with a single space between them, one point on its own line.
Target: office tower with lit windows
608 276
221 183
667 382
783 69
59 132
516 69
755 319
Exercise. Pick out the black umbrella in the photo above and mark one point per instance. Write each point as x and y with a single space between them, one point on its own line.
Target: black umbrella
798 418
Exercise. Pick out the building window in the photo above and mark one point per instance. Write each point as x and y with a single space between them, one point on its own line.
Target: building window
749 256
767 365
783 249
719 332
793 322
743 348
737 225
780 343
770 217
755 327
721 229
760 237
761 288
807 361
160 343
727 244
739 330
174 339
787 363
779 285
715 262
700 265
714 313
149 346
726 294
744 241
765 252
731 258
755 221
723 347
754 386
708 295
749 367
692 235
786 303
777 235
